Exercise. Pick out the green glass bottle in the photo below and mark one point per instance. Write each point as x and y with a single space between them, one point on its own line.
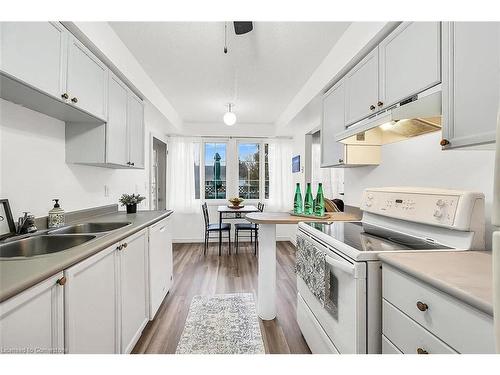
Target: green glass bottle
308 201
297 201
319 203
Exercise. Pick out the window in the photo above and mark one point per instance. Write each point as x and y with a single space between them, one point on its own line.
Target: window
266 171
249 170
215 171
225 168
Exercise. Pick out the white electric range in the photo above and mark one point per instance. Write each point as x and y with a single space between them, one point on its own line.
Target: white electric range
394 219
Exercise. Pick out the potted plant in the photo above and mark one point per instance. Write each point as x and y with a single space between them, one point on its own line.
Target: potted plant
131 201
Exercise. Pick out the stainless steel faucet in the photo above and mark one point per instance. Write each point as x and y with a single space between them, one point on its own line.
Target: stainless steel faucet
26 224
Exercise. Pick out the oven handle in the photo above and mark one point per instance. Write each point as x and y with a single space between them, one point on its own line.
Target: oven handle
340 265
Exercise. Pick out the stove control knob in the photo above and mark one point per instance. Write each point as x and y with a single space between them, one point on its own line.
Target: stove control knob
438 214
440 203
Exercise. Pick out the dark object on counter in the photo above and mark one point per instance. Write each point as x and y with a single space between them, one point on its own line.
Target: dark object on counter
7 225
340 204
131 201
335 205
131 208
26 224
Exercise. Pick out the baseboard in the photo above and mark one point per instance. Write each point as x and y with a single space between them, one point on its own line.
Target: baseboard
201 240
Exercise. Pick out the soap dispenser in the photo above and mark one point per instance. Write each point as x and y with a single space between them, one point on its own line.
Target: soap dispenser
56 215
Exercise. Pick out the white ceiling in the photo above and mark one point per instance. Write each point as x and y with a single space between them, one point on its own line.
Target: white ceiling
260 74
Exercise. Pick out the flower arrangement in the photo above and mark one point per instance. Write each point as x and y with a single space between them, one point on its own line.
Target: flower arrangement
131 201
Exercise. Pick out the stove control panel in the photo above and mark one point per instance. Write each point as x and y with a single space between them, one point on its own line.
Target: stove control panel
447 208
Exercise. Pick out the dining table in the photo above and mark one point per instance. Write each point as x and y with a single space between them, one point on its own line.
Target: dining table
266 278
230 212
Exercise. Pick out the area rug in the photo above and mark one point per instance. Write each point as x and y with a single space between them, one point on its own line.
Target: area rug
222 324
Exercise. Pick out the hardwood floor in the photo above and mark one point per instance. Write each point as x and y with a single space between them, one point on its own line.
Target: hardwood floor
196 274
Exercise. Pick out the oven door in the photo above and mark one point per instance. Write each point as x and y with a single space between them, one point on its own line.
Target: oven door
344 318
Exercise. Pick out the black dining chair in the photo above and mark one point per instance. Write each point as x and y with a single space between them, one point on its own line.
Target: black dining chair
214 228
248 227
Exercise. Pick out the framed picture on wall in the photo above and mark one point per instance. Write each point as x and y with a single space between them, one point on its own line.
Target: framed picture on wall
6 220
296 164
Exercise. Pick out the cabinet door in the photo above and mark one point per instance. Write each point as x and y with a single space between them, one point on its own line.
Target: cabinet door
362 89
160 264
134 289
32 321
471 78
410 61
91 305
86 80
116 128
332 152
136 131
34 52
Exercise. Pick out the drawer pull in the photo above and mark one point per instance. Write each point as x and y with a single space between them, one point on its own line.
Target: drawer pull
422 306
422 351
61 281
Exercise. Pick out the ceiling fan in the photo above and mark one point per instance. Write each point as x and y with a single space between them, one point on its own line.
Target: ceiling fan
240 28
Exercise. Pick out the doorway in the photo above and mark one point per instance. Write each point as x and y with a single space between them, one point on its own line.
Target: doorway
158 175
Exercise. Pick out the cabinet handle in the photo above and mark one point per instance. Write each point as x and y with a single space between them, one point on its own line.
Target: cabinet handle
372 107
422 306
132 164
422 351
74 100
380 104
61 281
65 96
444 142
341 161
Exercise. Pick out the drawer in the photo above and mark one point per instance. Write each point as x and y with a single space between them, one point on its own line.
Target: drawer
388 347
459 325
407 335
315 336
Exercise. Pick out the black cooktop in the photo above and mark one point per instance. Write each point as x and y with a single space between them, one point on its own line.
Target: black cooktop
365 237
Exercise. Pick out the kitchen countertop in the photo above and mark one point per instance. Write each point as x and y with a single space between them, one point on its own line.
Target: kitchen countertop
466 275
286 218
18 274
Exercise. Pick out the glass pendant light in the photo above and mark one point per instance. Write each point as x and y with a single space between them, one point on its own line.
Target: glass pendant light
229 117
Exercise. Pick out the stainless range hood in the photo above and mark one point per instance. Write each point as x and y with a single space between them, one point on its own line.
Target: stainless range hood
417 115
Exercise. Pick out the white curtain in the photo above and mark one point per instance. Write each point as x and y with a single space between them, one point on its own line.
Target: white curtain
180 176
281 186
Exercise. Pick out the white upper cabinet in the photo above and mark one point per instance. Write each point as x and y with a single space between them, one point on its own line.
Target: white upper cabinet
92 306
32 321
116 128
409 61
136 131
86 80
134 289
471 81
34 52
333 122
362 89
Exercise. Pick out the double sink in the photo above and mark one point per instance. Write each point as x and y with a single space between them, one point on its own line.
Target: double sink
57 240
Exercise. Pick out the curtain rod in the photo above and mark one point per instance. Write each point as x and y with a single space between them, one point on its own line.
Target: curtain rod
230 137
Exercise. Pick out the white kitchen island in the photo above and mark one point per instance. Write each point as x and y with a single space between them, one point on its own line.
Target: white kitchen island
266 291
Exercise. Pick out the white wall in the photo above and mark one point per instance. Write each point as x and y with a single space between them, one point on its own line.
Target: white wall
34 171
421 162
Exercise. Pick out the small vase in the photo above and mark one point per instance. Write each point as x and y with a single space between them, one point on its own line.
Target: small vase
131 208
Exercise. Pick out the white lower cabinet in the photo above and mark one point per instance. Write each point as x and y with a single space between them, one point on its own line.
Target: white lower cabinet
133 289
32 321
99 305
91 304
160 264
419 319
